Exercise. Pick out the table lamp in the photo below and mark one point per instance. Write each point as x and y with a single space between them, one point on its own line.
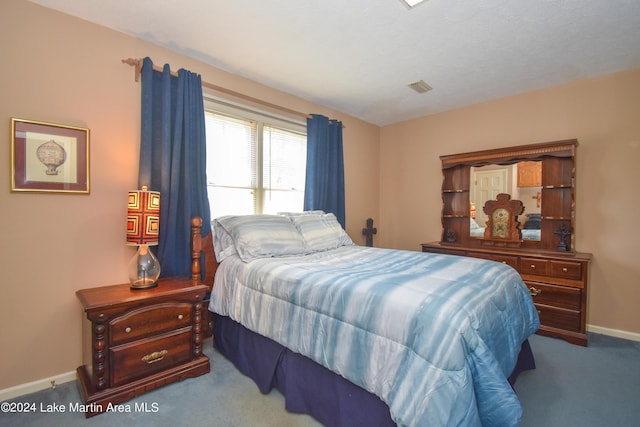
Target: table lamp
143 226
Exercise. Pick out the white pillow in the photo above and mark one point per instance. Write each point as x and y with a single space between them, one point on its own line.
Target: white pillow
223 244
263 236
321 232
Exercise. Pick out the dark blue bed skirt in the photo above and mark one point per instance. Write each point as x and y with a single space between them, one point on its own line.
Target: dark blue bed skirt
307 386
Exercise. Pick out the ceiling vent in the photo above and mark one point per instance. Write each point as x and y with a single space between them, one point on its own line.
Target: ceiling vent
420 86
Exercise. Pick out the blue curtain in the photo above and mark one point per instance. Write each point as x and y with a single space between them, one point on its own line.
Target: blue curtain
173 160
324 186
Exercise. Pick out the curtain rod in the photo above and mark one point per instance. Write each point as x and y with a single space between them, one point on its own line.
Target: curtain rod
137 64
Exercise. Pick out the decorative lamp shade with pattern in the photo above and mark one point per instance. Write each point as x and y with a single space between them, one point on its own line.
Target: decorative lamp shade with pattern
143 227
143 217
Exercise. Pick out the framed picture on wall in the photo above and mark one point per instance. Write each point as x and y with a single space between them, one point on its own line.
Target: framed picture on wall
49 158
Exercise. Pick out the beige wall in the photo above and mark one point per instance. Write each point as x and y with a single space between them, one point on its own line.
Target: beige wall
602 113
64 70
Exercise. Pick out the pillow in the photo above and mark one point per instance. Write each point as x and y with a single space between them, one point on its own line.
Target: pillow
321 232
223 245
263 236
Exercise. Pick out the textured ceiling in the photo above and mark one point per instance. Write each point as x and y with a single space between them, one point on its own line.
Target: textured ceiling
358 56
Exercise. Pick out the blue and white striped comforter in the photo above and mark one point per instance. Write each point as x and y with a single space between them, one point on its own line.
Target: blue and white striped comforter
434 336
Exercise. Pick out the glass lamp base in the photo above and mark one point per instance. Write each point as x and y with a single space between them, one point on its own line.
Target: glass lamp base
144 284
144 269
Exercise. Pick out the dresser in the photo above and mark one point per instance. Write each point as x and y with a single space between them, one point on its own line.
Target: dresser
558 285
541 179
137 340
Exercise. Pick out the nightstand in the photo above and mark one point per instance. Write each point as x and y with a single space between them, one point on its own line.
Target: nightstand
136 341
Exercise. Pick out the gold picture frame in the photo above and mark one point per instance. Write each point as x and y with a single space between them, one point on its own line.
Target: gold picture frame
49 157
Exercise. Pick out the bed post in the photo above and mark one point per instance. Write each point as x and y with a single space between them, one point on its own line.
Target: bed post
196 249
203 258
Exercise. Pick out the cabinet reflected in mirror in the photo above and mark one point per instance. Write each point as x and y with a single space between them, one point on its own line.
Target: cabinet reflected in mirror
521 180
542 176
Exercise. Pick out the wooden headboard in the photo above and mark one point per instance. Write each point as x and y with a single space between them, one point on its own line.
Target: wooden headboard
202 245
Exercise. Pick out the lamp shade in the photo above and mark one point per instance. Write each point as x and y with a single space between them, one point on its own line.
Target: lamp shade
143 217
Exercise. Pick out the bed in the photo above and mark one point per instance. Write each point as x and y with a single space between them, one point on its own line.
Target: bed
365 336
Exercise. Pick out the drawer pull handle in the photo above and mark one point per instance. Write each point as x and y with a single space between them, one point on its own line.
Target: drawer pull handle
533 266
154 357
565 269
127 329
180 317
533 291
504 262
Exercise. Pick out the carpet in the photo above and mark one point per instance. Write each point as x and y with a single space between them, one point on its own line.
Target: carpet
590 386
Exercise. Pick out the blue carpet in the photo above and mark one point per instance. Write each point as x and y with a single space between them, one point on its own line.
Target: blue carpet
590 386
597 386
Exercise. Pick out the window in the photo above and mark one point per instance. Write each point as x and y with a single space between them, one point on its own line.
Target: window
255 163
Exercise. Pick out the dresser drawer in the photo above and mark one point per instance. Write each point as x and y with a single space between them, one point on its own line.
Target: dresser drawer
556 296
151 320
568 320
145 357
535 266
505 259
566 269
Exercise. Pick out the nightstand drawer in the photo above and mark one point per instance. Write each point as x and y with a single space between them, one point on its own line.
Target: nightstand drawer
152 320
142 358
556 296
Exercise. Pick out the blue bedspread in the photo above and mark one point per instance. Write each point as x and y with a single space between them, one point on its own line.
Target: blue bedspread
434 336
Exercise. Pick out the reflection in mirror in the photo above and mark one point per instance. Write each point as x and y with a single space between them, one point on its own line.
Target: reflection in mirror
523 181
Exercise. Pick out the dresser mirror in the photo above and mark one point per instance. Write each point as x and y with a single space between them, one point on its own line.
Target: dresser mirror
541 176
521 180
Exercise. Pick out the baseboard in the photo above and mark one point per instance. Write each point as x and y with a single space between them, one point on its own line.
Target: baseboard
631 336
32 387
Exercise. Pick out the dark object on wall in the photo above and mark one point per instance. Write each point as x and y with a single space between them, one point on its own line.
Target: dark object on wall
369 231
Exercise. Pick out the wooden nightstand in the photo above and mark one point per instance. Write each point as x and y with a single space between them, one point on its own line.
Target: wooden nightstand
136 341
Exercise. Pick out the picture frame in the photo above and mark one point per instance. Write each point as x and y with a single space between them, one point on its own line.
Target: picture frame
49 157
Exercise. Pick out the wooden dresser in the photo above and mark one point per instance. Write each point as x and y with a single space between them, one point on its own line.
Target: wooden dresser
557 283
136 341
544 254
